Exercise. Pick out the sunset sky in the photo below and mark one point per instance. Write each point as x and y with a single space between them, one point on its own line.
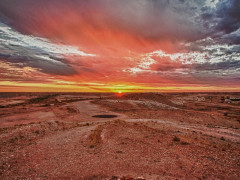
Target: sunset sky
119 45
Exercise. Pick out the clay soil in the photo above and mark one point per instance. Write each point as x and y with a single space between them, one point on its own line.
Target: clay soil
129 136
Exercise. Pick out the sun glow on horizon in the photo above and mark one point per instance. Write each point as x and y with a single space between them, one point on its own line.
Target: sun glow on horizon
111 46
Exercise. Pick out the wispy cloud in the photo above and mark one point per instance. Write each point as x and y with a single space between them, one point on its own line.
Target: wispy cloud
148 42
37 52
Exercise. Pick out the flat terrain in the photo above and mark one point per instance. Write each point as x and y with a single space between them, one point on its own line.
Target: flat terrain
125 136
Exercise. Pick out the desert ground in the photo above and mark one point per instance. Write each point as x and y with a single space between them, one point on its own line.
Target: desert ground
119 136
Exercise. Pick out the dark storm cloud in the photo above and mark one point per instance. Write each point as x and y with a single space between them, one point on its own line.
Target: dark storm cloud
221 66
206 60
223 22
208 30
227 65
229 13
151 19
34 52
232 38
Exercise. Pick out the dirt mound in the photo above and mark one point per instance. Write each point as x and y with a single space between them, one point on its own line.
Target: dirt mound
94 138
118 149
157 97
151 139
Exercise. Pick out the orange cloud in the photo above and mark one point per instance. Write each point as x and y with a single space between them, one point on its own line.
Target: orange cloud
119 41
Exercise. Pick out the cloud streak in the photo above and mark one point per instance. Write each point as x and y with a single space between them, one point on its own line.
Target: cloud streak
152 43
36 52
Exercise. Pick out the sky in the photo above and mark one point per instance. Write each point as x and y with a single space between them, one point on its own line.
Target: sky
119 45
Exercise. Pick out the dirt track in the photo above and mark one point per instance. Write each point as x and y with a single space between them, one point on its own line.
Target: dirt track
68 143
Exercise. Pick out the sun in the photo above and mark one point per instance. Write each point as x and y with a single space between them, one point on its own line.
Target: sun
119 93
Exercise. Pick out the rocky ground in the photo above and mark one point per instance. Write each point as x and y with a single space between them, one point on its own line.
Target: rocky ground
148 136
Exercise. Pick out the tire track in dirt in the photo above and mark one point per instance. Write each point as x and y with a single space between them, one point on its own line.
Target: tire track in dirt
219 132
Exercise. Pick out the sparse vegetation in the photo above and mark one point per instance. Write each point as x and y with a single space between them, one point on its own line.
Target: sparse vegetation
66 136
119 152
176 139
91 146
184 143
